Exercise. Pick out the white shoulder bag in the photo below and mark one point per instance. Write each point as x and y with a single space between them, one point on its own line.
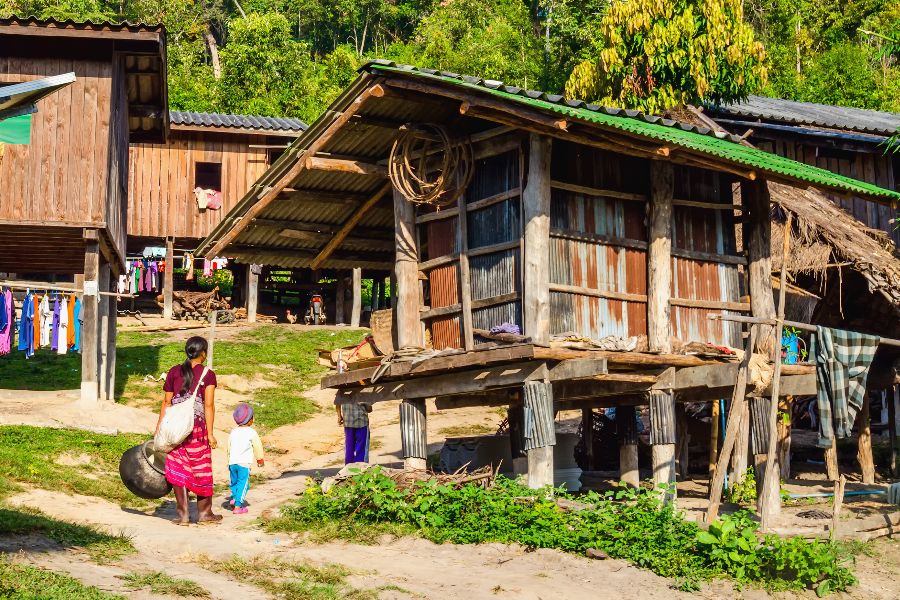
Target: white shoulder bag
178 422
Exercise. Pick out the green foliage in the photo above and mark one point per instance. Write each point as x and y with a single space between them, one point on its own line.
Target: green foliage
223 278
24 582
657 54
160 583
744 491
630 524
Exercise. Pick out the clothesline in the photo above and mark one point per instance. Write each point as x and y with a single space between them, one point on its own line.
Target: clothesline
41 286
797 324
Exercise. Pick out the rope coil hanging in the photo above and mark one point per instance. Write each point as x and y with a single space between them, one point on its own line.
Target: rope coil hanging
428 166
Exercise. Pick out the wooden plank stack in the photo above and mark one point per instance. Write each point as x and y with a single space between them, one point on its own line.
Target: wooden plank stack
195 305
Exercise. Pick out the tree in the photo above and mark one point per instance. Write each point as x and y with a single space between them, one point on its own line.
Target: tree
656 54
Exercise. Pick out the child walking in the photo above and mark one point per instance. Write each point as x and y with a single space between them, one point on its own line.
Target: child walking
244 448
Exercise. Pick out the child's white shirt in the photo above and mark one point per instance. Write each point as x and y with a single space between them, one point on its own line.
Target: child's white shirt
244 447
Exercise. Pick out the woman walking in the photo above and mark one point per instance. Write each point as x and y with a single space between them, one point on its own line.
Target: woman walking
189 466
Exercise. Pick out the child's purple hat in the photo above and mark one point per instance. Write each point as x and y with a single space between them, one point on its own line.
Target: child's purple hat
243 414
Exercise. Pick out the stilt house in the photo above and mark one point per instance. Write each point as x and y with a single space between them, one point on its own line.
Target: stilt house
64 196
577 223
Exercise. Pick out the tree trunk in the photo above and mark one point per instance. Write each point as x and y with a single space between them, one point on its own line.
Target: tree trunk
213 52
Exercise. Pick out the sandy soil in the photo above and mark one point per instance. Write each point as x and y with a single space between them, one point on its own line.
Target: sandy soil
316 446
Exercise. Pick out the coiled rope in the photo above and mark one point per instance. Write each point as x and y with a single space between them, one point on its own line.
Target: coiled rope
428 166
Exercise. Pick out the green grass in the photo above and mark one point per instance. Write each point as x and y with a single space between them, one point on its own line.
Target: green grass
28 456
292 581
160 583
101 547
24 582
467 430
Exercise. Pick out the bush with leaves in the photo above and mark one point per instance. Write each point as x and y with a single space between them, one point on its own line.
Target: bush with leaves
630 524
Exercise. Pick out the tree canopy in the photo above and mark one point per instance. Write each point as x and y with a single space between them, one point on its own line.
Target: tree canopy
292 57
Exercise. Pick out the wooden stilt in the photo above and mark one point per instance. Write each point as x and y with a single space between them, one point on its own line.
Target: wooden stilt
540 432
357 297
339 299
741 456
211 340
715 417
406 269
89 312
103 331
413 434
169 278
682 444
536 213
626 431
831 461
587 436
893 400
839 486
864 451
785 408
253 273
516 417
111 335
540 467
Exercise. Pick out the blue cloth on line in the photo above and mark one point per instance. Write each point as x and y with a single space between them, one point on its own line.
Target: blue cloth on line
3 319
26 327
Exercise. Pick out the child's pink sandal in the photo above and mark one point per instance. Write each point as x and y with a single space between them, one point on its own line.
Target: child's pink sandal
240 510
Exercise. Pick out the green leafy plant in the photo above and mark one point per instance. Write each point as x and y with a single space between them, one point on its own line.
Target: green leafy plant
743 491
221 277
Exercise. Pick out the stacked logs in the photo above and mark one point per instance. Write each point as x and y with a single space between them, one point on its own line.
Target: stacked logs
195 305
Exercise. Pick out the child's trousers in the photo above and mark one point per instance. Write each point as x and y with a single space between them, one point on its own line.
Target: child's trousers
240 483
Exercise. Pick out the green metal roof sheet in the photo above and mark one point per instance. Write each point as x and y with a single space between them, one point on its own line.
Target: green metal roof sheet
671 132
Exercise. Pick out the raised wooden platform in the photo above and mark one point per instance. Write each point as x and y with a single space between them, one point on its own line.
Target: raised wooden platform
580 378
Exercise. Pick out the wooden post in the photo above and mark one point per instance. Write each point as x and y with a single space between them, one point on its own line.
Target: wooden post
893 400
89 311
714 419
253 272
659 323
682 442
515 414
169 278
413 434
536 216
406 269
103 331
864 451
831 461
339 296
784 436
839 486
740 458
357 297
758 239
540 432
626 431
587 436
111 334
211 341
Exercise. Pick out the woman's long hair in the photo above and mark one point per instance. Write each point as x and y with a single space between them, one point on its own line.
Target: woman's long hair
194 347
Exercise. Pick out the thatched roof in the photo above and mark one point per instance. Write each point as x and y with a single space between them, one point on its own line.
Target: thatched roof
825 233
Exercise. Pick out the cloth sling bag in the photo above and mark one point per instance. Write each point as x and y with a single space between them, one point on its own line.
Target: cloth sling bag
178 422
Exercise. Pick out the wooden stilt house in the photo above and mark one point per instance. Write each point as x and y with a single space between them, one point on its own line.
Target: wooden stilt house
64 196
608 237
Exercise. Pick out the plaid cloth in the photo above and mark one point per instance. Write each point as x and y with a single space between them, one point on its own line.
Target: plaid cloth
356 415
842 366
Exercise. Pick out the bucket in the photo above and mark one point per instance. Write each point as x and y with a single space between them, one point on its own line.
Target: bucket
143 471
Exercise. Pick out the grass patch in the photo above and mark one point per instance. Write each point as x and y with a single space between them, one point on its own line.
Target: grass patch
631 524
101 547
160 583
291 581
293 351
29 456
24 582
467 430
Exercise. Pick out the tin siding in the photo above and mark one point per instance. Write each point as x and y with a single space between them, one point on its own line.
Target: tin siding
711 232
443 281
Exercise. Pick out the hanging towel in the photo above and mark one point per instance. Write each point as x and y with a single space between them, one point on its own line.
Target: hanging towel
6 321
36 335
54 332
207 268
76 326
842 366
70 332
121 286
46 320
26 327
63 345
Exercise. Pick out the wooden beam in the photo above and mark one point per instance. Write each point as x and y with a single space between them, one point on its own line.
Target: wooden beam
374 91
90 309
758 238
357 297
536 259
348 226
169 278
610 295
406 269
325 197
659 259
464 292
317 238
354 167
253 272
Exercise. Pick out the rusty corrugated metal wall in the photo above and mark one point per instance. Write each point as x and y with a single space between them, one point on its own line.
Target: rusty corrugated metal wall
442 238
711 232
584 230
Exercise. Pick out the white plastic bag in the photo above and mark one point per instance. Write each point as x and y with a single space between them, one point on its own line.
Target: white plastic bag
178 422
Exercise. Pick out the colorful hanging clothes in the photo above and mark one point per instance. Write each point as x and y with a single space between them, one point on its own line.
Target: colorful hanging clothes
76 326
54 332
26 327
207 268
36 335
46 316
62 346
6 321
70 332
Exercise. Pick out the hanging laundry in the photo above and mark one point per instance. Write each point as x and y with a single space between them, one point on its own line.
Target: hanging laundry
207 268
26 326
6 321
121 285
153 270
76 325
54 332
62 346
46 316
189 266
36 335
70 333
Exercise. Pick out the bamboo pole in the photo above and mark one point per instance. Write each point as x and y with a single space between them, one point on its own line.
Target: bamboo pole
796 324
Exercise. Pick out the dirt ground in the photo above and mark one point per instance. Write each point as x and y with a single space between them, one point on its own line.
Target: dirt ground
420 568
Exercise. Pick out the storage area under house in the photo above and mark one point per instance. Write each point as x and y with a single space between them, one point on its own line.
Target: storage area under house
608 239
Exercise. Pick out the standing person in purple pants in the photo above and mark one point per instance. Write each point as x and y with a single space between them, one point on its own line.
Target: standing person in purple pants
355 420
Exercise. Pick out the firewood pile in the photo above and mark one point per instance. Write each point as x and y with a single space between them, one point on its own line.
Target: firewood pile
195 305
406 479
241 315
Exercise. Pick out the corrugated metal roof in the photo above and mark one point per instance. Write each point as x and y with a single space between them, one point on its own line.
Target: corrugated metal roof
701 140
71 24
810 113
203 119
